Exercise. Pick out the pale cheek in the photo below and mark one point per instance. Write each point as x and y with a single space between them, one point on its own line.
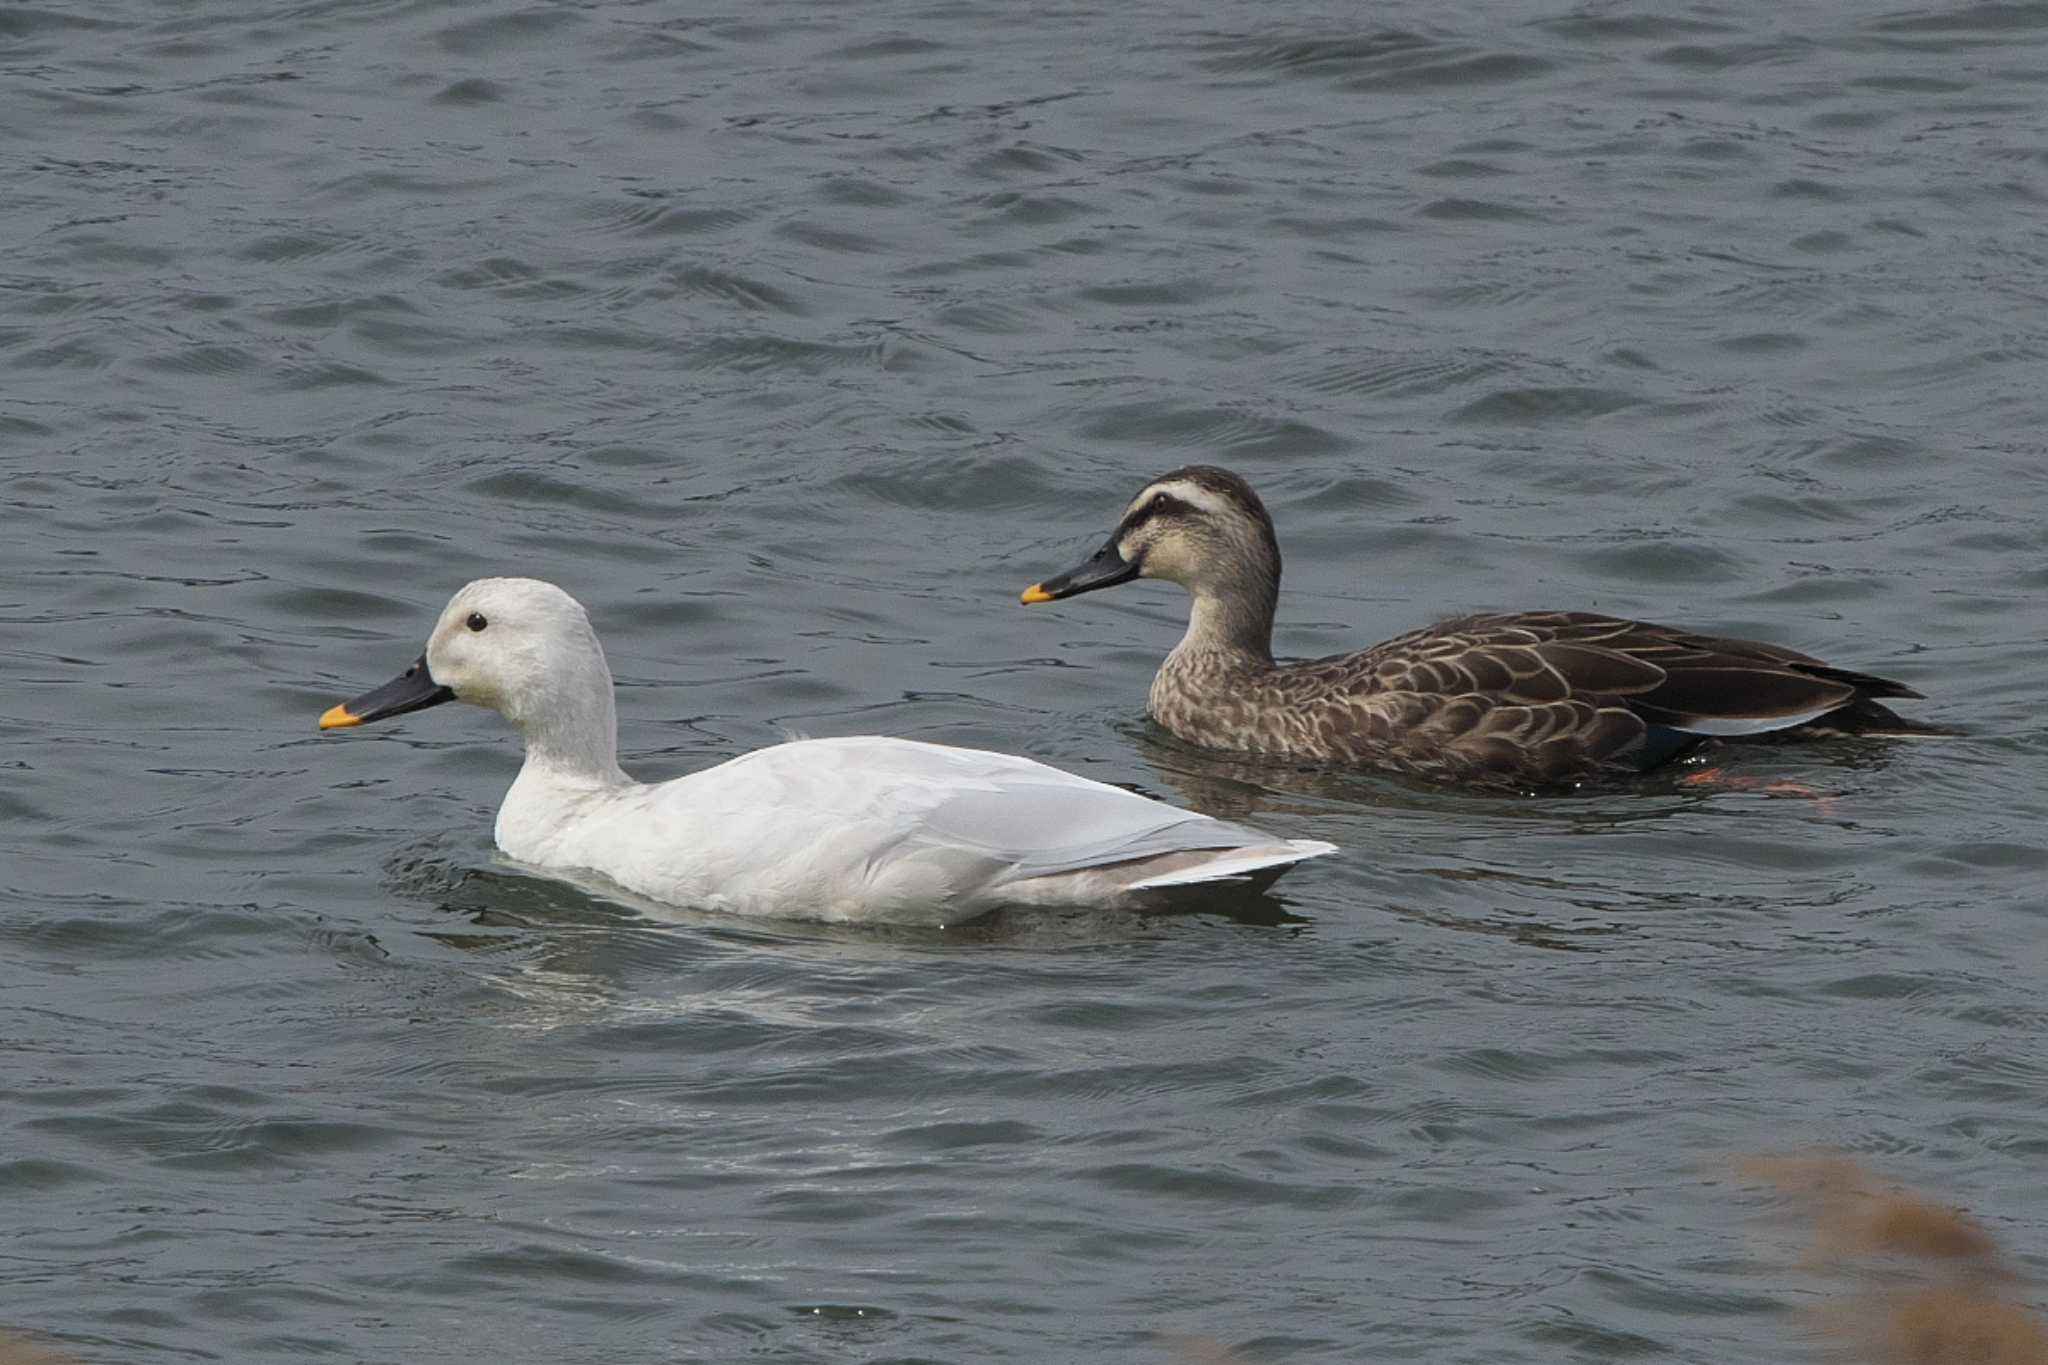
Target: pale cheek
1164 561
451 670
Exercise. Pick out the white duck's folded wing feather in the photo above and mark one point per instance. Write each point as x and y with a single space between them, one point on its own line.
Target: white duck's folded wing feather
1045 822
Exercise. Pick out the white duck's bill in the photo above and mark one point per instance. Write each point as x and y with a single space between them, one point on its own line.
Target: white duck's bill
412 690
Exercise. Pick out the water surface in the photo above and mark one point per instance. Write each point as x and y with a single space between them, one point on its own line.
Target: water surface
795 341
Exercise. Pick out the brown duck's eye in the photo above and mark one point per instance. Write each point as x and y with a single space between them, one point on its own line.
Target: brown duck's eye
476 621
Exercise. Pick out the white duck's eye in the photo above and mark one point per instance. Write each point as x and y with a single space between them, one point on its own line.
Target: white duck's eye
476 621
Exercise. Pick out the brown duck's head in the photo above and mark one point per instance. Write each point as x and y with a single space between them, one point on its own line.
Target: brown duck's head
1199 526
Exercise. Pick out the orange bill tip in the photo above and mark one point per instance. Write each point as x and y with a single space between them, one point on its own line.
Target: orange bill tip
335 717
1033 594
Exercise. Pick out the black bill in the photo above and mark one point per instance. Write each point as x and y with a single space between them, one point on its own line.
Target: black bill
412 690
1106 569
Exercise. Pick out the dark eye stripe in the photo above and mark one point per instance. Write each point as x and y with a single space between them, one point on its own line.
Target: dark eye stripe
1158 505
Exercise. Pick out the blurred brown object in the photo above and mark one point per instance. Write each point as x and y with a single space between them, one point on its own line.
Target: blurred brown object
1968 1320
1949 1324
1196 1350
1858 1215
16 1351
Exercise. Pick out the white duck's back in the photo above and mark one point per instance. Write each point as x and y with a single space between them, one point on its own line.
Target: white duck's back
859 828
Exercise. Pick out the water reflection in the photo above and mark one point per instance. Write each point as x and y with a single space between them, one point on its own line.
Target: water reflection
568 929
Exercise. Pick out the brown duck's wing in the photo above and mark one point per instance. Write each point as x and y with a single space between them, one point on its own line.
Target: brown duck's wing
1542 696
1667 644
1412 714
1677 678
1467 700
1549 742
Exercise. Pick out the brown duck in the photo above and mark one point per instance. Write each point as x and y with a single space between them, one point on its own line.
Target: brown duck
1541 697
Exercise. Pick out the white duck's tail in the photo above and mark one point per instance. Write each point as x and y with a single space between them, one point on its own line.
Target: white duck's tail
1162 876
1259 864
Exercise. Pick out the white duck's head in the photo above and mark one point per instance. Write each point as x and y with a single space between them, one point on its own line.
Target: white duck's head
522 648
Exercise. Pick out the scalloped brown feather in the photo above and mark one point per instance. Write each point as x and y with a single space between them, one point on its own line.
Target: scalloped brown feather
1531 697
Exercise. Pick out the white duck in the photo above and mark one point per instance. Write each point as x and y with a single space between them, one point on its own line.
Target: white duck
864 828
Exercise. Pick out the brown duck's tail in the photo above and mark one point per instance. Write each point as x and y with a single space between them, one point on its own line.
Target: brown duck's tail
1866 684
1868 719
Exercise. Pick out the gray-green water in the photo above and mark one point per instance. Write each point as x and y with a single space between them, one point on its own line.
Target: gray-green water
795 339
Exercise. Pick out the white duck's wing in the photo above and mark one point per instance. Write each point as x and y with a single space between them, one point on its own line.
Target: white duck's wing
878 828
1042 821
1036 820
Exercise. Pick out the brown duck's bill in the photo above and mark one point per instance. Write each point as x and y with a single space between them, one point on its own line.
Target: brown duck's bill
412 690
1106 569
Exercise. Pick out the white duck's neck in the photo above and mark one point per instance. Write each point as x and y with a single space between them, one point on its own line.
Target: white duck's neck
572 759
571 725
576 750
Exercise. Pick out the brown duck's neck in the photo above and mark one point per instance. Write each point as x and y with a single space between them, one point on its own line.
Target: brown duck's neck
1228 634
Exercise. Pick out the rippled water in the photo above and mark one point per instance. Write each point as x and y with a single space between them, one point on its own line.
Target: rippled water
795 340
